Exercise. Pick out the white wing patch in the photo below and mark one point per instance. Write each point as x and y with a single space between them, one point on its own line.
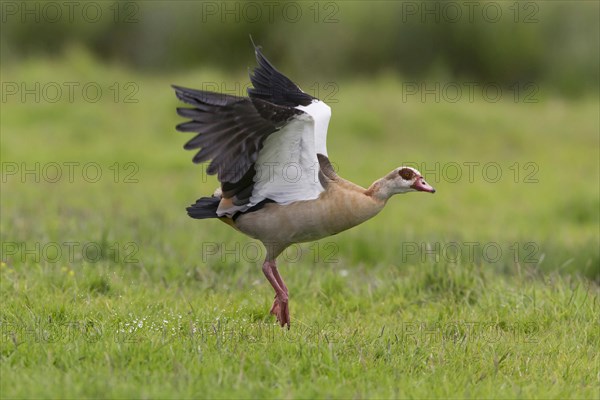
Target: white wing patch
287 168
321 114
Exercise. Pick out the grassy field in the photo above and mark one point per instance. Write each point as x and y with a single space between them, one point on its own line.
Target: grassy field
489 288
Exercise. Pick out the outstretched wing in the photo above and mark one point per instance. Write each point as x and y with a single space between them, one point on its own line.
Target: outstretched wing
274 87
263 147
230 129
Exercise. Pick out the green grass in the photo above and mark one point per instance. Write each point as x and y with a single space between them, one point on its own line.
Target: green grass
173 307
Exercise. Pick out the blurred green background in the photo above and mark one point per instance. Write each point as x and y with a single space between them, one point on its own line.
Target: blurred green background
551 42
390 71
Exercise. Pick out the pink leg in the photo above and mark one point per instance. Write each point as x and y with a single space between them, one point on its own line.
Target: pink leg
280 306
278 277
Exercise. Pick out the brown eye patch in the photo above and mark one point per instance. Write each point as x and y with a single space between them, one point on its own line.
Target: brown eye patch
406 173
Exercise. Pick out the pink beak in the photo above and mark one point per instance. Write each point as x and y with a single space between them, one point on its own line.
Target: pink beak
422 186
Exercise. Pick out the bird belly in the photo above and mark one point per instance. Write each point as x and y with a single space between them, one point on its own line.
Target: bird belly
308 220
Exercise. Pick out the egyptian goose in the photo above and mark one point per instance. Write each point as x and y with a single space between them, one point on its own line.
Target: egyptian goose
269 153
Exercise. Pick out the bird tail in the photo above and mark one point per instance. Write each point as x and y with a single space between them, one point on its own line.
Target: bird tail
205 207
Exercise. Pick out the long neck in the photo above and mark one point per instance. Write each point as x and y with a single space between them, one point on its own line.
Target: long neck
379 190
353 204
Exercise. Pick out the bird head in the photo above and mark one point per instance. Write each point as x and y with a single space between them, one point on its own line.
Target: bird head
407 179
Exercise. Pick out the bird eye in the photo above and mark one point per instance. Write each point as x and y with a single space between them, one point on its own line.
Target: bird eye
406 174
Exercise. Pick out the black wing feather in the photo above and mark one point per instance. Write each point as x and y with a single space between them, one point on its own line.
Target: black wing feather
230 130
272 86
206 207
